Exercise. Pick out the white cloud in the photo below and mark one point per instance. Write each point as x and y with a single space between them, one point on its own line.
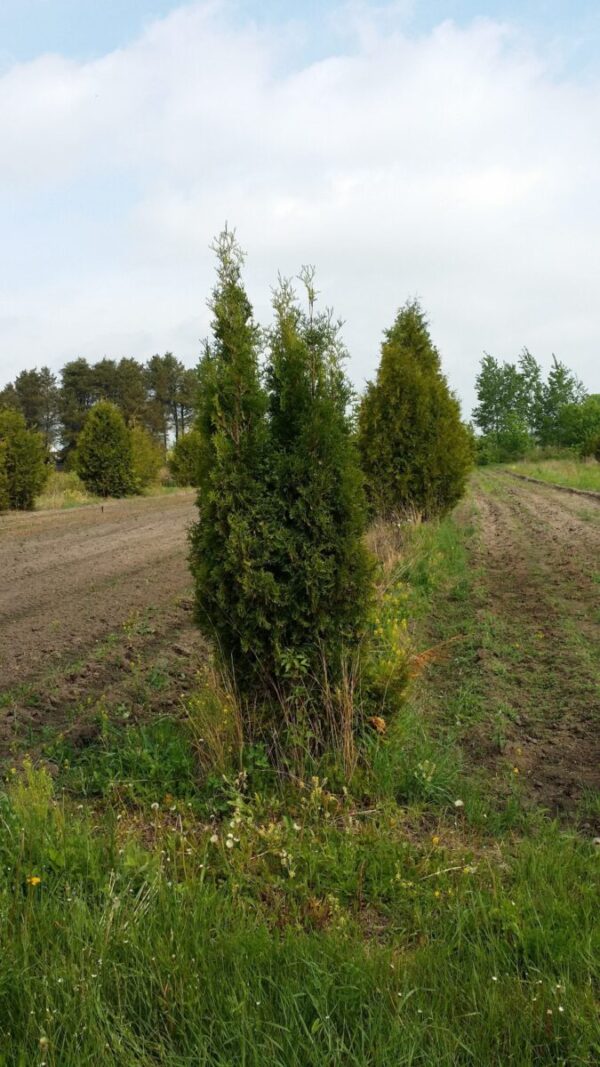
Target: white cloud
454 165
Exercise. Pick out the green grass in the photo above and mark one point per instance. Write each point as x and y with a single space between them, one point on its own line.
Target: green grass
185 919
65 490
576 474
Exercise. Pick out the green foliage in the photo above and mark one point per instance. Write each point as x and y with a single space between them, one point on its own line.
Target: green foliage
507 445
4 488
24 465
415 450
146 457
516 409
281 573
579 424
104 459
323 570
37 398
232 544
184 458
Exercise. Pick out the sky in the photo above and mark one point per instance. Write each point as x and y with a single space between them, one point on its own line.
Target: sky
444 150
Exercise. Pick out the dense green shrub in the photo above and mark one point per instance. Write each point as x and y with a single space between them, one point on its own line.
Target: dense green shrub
232 543
24 467
184 458
415 450
4 494
146 457
282 578
322 566
104 459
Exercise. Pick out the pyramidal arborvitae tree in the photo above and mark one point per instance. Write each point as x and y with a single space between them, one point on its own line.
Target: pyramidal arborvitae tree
323 566
415 450
104 458
282 577
232 541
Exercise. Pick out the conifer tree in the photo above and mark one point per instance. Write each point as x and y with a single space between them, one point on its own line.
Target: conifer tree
23 460
415 450
323 568
232 542
4 493
184 457
104 459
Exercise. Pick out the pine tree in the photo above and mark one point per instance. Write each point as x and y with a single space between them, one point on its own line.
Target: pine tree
322 565
104 458
23 460
415 450
232 542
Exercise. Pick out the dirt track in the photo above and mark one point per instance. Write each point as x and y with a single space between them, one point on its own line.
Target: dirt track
539 554
70 578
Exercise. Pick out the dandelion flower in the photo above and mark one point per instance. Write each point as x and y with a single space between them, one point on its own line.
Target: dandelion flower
435 840
214 839
33 879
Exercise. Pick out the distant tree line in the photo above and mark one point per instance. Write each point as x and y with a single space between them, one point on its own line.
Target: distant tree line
159 395
517 409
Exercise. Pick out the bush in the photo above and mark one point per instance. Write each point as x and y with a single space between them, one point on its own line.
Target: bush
146 457
104 459
184 457
415 450
24 465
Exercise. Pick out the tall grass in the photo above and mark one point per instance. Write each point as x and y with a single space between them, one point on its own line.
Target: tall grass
574 473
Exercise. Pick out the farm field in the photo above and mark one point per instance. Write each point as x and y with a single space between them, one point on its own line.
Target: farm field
575 474
439 908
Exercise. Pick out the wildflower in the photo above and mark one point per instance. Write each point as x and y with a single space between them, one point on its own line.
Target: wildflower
560 1008
435 840
516 770
229 842
494 978
154 806
459 803
437 893
378 724
33 879
214 839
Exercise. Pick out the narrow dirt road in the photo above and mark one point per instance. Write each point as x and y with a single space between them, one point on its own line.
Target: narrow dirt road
538 551
70 578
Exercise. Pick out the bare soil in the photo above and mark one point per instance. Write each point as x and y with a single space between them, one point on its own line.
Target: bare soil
92 602
538 551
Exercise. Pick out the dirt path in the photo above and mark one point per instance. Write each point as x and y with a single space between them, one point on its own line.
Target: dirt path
71 578
539 555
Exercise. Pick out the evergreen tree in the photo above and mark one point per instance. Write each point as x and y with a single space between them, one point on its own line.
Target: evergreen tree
104 459
38 399
415 450
78 394
23 460
147 457
184 459
232 543
4 487
322 566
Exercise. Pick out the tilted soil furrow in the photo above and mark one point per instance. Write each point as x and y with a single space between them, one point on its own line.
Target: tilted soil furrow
539 562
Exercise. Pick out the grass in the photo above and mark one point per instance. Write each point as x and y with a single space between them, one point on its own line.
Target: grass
65 490
154 914
574 473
